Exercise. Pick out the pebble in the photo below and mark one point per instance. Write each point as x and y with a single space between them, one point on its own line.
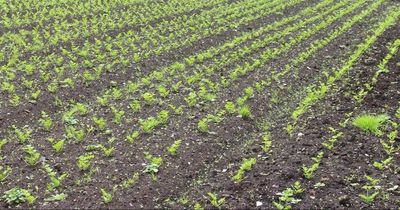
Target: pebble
259 203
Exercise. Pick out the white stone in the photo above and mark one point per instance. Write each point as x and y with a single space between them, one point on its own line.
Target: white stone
259 203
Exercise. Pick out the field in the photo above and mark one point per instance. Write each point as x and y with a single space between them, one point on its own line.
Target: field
198 104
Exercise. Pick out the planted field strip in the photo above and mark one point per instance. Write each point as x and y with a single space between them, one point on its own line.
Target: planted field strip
55 85
323 88
339 134
182 104
205 54
217 165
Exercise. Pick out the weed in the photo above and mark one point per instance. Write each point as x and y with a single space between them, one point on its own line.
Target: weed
370 123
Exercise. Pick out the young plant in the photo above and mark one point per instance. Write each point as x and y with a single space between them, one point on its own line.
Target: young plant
73 133
148 97
385 163
55 181
217 203
286 197
107 197
202 125
58 146
266 143
370 123
149 124
368 198
2 143
163 91
17 196
133 136
46 122
197 206
116 94
32 155
309 171
163 116
230 107
247 164
4 173
103 101
100 123
108 152
117 115
135 106
245 112
398 113
153 165
174 147
191 100
131 181
84 161
22 134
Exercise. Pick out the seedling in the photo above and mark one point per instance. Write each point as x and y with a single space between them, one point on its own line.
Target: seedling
217 203
245 112
58 146
202 125
309 171
287 197
174 147
148 98
84 161
368 198
132 137
18 195
117 115
191 100
22 134
2 143
230 107
55 180
385 163
266 143
247 164
197 206
135 105
153 165
4 173
46 121
100 122
149 124
107 197
32 155
131 181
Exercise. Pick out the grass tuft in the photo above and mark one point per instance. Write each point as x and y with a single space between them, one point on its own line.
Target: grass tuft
370 123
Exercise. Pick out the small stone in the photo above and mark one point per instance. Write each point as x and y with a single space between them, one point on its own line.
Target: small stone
300 134
259 203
